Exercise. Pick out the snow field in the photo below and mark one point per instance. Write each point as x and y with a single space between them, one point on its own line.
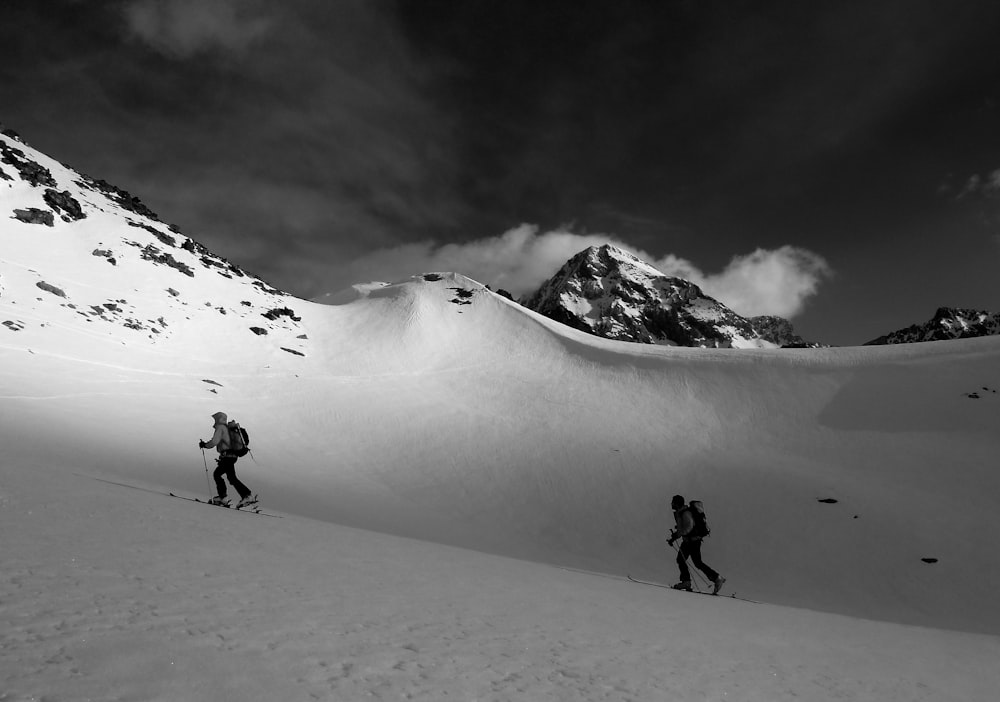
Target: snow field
112 593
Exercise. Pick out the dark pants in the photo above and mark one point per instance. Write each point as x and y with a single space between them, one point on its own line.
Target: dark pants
692 550
227 469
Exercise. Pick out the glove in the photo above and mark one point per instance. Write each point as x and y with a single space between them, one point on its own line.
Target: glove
201 444
672 539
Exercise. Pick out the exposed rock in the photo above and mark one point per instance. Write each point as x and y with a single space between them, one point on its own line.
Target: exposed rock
65 204
259 331
105 253
163 238
50 288
33 215
118 196
30 172
947 323
281 312
779 330
151 253
610 293
462 296
264 287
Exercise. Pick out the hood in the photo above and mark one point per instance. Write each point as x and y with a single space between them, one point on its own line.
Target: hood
220 418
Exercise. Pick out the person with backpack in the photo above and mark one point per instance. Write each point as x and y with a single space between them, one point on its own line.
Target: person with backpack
229 446
691 527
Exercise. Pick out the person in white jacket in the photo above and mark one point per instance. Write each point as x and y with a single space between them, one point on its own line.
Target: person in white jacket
226 463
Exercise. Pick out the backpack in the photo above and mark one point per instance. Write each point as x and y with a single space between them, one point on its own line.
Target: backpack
239 440
697 511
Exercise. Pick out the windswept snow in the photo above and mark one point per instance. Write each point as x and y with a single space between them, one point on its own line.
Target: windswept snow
447 462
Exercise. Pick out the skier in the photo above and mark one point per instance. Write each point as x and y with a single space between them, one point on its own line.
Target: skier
685 530
226 465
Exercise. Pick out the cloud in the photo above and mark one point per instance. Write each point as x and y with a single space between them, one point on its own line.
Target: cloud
981 185
777 282
182 28
518 260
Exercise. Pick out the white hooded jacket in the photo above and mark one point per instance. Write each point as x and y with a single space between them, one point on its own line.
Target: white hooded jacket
220 440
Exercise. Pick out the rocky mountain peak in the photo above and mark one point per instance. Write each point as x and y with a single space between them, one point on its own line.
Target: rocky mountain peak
609 292
947 323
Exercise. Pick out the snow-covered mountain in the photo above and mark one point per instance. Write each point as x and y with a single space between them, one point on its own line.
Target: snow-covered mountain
779 331
111 264
947 323
611 293
836 481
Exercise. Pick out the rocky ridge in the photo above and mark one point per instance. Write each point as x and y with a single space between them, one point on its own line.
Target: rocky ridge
611 293
947 323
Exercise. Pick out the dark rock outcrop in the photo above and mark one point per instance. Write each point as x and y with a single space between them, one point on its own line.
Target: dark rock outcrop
610 293
34 215
947 323
64 204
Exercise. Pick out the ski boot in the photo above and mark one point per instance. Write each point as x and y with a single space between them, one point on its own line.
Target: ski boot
719 582
248 501
220 500
683 585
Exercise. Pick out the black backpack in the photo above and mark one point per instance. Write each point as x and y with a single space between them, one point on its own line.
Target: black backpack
697 510
239 440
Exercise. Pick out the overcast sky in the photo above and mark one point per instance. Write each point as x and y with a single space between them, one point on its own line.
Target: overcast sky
834 162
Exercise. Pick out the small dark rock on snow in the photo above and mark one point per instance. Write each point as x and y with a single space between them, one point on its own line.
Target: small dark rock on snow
47 287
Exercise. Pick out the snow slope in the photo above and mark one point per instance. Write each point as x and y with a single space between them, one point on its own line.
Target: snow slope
435 410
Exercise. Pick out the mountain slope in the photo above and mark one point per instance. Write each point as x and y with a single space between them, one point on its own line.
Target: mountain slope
946 324
436 409
611 293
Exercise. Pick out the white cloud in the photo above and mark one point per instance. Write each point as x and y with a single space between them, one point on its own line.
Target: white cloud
775 282
183 28
983 185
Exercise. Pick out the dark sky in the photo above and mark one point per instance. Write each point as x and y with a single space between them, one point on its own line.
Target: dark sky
835 162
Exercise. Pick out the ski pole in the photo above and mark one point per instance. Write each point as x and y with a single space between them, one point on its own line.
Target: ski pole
205 461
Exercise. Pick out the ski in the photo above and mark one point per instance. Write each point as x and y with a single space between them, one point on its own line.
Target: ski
695 592
254 510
